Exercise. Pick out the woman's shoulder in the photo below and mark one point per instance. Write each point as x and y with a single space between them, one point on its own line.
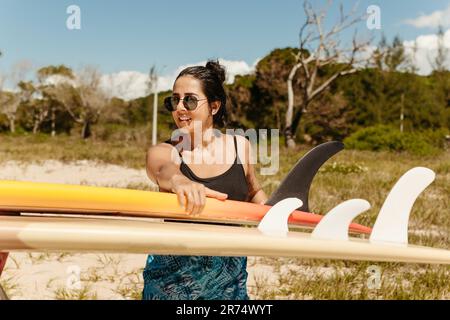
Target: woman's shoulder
163 150
161 146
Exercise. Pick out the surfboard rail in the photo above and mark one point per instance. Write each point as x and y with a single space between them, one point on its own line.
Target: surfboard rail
84 235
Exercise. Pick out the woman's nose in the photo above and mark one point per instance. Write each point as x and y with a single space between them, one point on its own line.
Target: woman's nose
181 105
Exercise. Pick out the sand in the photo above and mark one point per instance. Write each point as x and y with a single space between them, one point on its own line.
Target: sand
81 172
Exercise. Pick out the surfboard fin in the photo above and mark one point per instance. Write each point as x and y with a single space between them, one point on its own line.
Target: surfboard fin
391 225
334 225
298 181
275 221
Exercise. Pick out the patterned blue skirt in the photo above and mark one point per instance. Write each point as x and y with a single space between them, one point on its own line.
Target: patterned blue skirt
195 278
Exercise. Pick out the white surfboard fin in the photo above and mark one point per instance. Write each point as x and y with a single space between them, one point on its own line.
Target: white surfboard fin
275 221
334 225
391 225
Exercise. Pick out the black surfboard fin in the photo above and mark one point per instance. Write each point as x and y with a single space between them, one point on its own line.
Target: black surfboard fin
299 179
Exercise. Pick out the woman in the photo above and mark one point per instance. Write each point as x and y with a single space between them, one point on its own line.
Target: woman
198 102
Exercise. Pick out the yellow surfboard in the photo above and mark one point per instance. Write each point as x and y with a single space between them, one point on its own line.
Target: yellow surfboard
19 196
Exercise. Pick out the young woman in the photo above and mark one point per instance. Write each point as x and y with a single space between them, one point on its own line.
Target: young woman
198 104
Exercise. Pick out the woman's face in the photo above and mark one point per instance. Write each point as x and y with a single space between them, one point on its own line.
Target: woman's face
189 86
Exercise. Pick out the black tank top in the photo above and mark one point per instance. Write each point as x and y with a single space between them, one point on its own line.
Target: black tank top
232 182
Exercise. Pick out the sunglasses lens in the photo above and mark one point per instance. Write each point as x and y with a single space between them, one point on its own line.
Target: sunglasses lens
168 104
190 103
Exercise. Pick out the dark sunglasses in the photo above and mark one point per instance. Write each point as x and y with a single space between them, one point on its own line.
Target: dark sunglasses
189 102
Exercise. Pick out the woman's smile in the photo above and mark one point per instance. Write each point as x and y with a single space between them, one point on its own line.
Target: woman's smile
184 121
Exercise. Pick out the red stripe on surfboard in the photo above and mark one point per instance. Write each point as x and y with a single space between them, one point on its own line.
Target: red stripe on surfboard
229 210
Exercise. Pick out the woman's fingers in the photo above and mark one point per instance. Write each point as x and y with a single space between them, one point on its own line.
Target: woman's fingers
197 201
190 201
192 197
181 198
202 194
215 194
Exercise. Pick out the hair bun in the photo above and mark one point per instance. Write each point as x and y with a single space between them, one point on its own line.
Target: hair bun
217 68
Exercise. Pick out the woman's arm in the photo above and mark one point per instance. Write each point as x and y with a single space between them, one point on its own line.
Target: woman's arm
256 194
163 168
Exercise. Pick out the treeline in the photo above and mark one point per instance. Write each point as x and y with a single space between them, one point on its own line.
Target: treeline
385 92
369 97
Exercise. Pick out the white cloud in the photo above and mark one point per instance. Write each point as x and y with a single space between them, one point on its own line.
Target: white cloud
126 85
433 20
133 84
236 67
426 50
232 68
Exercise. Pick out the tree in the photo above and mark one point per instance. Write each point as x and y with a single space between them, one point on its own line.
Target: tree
270 87
319 49
10 101
34 104
395 57
242 98
379 53
392 57
85 100
47 77
411 60
441 72
440 62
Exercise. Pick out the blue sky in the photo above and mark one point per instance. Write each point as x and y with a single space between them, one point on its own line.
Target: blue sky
121 35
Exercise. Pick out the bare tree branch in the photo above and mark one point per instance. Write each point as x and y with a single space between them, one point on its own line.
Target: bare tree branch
10 101
324 48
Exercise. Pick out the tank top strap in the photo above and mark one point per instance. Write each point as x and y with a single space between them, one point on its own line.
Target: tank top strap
235 149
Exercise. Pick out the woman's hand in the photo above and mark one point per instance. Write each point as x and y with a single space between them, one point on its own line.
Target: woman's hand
192 195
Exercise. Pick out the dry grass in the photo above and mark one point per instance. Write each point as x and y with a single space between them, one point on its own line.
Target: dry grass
70 148
84 293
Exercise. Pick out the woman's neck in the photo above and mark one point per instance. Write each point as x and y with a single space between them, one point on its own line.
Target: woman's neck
206 139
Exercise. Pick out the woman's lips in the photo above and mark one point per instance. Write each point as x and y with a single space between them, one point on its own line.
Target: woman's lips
184 119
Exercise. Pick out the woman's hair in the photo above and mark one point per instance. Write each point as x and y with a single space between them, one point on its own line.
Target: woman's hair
212 77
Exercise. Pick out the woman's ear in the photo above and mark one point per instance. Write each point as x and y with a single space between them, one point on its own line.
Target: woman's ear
215 106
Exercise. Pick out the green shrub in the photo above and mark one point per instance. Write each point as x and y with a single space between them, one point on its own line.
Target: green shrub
436 138
384 137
